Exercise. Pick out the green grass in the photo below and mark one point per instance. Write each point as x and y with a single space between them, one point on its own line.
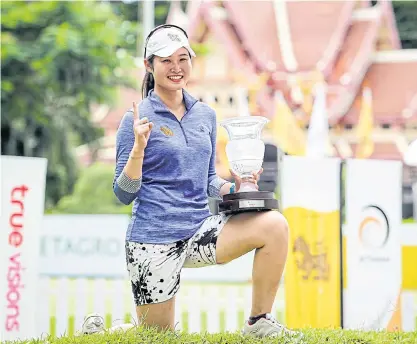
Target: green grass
311 336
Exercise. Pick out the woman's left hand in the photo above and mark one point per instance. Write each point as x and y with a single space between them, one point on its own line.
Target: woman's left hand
254 179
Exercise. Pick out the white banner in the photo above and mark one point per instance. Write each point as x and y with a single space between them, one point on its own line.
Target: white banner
22 207
304 180
372 299
93 246
83 246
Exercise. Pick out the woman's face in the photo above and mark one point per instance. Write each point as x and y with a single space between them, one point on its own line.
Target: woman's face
172 73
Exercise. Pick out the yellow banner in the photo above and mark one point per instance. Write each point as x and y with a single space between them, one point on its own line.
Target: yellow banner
365 146
409 269
312 276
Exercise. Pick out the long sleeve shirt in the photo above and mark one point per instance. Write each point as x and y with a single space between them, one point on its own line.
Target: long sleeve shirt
178 172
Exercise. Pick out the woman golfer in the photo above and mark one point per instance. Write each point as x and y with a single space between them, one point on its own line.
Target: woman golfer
165 165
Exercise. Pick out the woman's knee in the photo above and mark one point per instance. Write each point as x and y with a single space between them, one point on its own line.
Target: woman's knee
274 227
160 315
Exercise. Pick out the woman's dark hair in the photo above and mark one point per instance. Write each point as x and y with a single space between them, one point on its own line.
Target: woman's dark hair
148 81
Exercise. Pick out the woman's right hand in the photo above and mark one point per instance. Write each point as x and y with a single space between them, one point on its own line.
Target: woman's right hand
142 129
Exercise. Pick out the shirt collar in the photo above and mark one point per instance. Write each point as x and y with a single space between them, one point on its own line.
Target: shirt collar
159 106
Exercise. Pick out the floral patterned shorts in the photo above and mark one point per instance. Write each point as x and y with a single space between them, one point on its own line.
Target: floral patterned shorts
155 269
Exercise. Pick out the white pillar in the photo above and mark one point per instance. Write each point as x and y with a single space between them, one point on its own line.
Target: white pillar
148 19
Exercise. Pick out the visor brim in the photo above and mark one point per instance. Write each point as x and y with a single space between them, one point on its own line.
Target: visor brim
172 48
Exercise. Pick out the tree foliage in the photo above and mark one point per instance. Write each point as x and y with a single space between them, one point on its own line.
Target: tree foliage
93 194
58 59
133 11
406 17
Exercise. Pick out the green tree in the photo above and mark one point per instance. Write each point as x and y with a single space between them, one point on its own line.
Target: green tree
58 59
406 17
133 11
93 194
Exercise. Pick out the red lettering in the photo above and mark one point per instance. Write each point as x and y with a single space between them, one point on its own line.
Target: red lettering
22 189
13 292
14 276
12 324
14 221
15 239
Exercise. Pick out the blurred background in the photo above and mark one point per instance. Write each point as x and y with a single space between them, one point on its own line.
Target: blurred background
70 70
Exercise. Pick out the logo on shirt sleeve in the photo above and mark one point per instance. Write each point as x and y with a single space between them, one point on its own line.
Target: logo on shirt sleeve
167 131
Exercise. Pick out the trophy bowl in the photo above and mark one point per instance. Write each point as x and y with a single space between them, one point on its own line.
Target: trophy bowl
245 153
245 157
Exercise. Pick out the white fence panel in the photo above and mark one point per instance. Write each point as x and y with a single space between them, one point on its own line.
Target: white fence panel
212 308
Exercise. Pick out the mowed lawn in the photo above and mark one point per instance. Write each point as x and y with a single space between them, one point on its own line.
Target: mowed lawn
311 336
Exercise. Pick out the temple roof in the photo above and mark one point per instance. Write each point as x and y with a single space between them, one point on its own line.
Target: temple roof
394 86
342 39
352 43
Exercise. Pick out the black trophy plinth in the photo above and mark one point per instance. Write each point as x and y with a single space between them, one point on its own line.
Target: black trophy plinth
248 201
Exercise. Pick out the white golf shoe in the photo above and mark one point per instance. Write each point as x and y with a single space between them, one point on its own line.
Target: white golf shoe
269 327
93 323
121 327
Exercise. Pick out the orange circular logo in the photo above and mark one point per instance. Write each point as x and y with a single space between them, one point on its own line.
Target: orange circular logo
374 229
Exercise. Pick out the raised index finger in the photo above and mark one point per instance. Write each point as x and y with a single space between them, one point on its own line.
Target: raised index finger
135 112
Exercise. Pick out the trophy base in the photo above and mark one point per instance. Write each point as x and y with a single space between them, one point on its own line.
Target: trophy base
242 202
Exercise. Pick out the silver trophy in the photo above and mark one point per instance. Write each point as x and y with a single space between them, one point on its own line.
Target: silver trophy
245 152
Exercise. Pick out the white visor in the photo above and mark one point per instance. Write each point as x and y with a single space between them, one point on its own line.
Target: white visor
166 41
